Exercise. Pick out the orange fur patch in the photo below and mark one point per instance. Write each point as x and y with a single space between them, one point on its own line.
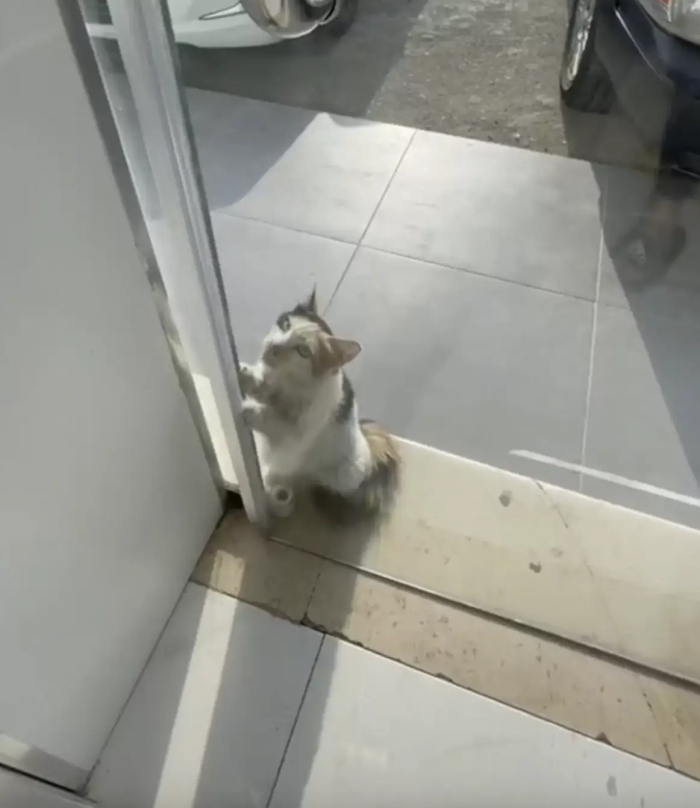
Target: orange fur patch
382 446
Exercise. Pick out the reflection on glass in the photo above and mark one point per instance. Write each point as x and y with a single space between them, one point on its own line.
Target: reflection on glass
558 286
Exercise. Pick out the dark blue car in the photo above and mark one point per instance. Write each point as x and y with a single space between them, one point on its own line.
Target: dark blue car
645 54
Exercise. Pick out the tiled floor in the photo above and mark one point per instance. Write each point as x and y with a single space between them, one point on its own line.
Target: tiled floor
371 732
479 279
541 576
241 709
482 289
210 719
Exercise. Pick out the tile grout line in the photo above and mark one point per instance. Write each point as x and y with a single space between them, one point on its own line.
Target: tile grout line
389 184
594 326
227 214
343 274
296 721
231 215
371 219
476 273
313 591
591 359
407 257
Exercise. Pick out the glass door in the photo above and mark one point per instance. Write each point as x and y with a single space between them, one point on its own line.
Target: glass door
129 60
518 266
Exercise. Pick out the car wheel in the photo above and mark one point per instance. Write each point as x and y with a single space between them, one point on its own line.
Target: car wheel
583 81
343 21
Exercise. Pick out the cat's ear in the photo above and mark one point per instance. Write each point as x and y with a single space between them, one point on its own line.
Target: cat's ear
343 351
310 303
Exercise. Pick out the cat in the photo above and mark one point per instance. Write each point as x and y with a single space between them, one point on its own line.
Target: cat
301 407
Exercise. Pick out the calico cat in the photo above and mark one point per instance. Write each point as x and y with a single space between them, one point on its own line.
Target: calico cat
301 407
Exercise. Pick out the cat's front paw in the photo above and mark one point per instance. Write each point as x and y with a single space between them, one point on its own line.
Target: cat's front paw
253 412
248 379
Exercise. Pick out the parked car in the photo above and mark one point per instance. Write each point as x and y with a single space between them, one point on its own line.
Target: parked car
237 23
645 54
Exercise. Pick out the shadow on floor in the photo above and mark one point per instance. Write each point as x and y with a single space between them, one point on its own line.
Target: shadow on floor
356 536
223 128
211 719
316 72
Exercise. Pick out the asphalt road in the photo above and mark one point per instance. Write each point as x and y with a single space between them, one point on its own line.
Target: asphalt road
485 69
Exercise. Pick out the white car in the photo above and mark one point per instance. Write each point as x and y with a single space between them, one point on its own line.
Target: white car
236 23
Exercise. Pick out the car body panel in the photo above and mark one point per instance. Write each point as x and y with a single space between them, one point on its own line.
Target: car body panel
236 30
656 78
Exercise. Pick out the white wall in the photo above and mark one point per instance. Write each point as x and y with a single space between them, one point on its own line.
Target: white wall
105 496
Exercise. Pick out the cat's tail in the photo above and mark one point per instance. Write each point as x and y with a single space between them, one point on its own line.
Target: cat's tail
374 497
379 488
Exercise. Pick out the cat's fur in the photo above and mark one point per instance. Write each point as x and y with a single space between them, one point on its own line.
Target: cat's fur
302 408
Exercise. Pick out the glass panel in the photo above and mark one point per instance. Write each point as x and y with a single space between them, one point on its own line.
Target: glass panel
138 77
497 202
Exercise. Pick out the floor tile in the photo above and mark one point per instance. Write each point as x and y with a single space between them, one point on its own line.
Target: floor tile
308 171
643 422
239 141
543 677
240 562
676 296
472 365
495 210
268 270
642 501
210 718
19 791
573 567
372 732
213 113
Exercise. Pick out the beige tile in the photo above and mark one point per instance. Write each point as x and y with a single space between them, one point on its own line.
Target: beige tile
677 714
451 534
579 568
240 562
646 573
637 713
549 680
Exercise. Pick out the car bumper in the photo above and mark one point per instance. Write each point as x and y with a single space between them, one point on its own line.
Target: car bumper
656 77
237 31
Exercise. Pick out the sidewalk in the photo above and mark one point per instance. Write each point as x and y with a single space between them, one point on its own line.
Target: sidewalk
242 709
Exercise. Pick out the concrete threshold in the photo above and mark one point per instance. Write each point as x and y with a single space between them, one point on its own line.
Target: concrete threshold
476 576
571 566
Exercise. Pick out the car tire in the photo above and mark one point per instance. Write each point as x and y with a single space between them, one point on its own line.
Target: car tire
342 22
584 83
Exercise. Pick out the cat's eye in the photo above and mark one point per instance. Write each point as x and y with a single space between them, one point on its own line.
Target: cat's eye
303 350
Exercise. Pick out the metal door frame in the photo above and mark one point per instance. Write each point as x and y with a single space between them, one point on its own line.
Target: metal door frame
147 46
152 69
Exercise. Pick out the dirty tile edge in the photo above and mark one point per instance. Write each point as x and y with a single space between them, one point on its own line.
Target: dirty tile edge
605 577
240 562
579 685
632 711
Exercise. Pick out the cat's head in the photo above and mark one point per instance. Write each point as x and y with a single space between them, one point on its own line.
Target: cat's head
302 347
